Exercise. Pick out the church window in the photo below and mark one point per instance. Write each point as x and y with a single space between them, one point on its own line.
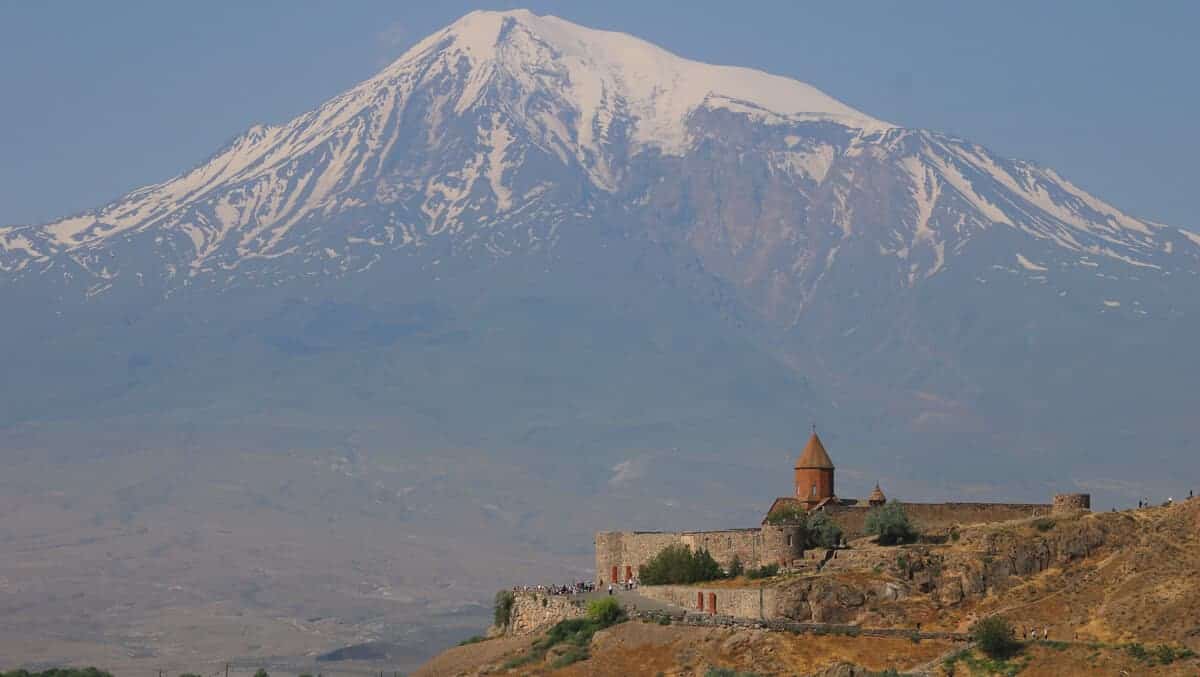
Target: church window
813 493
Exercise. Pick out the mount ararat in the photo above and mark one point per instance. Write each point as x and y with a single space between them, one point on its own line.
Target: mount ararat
533 279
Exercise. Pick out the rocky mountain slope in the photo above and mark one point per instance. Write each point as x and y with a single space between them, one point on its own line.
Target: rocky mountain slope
911 286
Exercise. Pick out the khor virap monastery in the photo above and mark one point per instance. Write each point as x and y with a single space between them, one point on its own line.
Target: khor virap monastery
620 553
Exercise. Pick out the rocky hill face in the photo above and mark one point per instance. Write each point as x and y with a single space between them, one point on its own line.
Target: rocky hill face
1110 588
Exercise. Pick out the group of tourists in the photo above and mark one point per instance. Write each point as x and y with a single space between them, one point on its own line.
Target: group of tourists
1145 502
568 589
630 584
1027 633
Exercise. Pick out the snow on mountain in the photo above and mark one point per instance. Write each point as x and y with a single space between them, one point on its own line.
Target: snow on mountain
498 129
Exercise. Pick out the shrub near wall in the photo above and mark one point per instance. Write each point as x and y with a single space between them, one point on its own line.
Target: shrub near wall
890 523
676 564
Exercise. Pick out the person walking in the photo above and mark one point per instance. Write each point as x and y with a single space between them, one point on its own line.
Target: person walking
610 589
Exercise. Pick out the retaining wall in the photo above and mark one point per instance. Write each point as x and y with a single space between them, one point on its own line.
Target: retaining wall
534 611
759 603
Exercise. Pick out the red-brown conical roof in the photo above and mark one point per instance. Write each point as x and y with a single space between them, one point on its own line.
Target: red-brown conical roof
877 495
814 455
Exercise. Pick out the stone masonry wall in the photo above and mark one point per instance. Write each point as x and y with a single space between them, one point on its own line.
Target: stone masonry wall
627 550
534 611
1072 502
940 515
760 603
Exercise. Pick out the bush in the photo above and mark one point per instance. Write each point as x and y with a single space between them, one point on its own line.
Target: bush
605 611
678 564
822 532
736 568
664 620
1137 651
1043 524
765 571
1165 655
261 673
502 609
890 524
995 637
728 672
475 639
573 654
576 633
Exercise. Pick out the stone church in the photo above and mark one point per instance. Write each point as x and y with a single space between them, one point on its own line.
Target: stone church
620 553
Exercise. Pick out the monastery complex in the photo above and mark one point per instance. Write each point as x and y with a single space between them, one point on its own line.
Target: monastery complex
620 553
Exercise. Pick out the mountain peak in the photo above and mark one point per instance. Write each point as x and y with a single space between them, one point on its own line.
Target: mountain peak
605 70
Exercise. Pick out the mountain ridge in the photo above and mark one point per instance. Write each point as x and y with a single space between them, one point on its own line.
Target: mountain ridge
543 91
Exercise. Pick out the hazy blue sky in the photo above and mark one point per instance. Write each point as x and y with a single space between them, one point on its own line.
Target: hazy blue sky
99 98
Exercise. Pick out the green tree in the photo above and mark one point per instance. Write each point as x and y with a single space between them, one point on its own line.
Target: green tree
890 523
823 532
736 568
261 673
995 637
605 611
678 564
502 608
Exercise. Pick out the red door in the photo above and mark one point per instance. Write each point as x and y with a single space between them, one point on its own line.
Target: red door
628 572
700 601
712 602
614 576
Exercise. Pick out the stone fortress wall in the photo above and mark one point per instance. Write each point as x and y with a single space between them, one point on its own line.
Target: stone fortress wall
935 516
1072 502
620 553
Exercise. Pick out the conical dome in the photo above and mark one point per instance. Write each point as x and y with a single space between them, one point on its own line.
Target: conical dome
877 496
814 455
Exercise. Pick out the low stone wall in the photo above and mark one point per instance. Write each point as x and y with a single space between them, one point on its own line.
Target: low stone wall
535 611
760 603
723 621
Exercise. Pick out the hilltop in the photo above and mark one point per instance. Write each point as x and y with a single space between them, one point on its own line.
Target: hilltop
1110 587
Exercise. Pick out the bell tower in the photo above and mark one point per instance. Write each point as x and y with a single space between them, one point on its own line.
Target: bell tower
814 473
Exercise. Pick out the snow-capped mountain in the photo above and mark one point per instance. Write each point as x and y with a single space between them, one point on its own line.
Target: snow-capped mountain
490 135
573 234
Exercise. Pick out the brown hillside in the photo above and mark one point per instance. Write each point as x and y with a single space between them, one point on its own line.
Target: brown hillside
1099 582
